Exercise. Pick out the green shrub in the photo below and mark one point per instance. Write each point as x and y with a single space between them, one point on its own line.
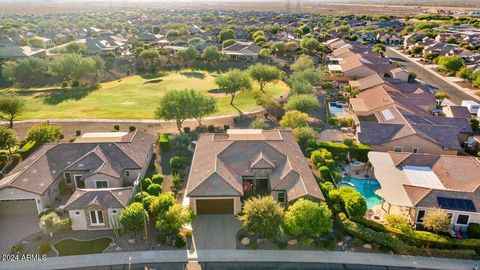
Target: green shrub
177 163
339 150
353 202
140 195
131 128
65 224
161 239
325 173
157 179
147 200
331 244
179 242
146 182
44 248
473 230
16 248
164 142
27 149
116 127
154 190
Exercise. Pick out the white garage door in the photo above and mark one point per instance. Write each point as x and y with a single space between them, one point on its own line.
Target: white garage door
18 207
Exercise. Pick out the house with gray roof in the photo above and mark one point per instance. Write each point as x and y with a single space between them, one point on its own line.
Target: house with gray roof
98 161
227 168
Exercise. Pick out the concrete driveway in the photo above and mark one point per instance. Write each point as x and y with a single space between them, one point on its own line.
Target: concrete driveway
14 228
215 232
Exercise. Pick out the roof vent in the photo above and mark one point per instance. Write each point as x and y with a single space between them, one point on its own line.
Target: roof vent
54 171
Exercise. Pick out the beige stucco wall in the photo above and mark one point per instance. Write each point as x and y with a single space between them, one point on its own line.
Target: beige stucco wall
112 181
82 220
237 204
79 222
410 142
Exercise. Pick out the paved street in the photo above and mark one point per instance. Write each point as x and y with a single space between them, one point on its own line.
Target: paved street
456 96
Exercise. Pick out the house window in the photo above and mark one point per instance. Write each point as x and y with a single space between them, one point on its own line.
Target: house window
77 178
127 173
68 178
420 215
77 213
397 149
281 197
101 184
415 150
114 211
96 217
463 219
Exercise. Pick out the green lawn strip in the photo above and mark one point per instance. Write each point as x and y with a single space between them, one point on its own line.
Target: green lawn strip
68 247
134 97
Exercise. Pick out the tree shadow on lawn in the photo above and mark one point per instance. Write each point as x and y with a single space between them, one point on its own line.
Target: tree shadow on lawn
77 93
149 76
194 74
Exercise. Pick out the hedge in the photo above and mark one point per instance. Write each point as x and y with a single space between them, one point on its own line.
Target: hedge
27 149
164 142
341 150
422 238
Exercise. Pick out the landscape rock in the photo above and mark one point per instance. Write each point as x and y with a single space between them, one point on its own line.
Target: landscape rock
367 246
118 248
292 242
340 244
131 241
245 241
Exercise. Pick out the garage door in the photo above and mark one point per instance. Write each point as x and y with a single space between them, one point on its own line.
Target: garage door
18 207
214 206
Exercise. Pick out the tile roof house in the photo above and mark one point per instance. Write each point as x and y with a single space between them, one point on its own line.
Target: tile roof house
415 183
97 208
242 50
399 118
242 163
101 162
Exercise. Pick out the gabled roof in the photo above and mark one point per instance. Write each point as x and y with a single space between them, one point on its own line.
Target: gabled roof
105 198
37 172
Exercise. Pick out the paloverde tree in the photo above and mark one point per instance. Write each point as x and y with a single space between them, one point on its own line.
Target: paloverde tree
310 44
25 71
174 218
180 105
233 82
10 108
264 74
262 216
226 34
294 119
150 56
436 220
212 55
440 97
44 133
307 218
72 67
132 218
303 62
187 56
8 139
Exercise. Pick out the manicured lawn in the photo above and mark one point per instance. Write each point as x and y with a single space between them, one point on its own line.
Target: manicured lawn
70 247
133 97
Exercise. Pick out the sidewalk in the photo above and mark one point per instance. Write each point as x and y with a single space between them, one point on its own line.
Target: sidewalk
428 68
238 256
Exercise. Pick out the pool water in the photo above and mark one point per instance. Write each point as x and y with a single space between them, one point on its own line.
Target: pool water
335 108
366 187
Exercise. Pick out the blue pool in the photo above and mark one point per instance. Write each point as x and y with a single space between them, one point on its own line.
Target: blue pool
335 108
366 187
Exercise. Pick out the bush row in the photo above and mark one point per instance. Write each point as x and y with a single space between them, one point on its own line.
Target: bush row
422 238
356 151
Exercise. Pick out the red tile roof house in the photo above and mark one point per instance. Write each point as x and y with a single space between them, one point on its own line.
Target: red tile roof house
227 168
398 118
414 183
102 169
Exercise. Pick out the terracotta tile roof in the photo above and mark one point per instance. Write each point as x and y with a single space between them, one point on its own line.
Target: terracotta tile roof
220 162
44 166
367 82
416 194
105 198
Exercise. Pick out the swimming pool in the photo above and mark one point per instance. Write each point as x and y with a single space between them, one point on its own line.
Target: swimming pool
335 108
366 187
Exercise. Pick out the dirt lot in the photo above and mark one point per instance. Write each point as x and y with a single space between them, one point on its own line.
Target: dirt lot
248 5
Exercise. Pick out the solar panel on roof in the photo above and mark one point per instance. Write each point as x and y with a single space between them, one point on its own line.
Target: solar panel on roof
456 204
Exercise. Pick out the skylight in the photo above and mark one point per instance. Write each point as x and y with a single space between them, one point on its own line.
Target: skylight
387 114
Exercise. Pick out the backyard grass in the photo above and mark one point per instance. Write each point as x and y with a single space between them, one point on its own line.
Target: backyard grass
70 247
132 97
